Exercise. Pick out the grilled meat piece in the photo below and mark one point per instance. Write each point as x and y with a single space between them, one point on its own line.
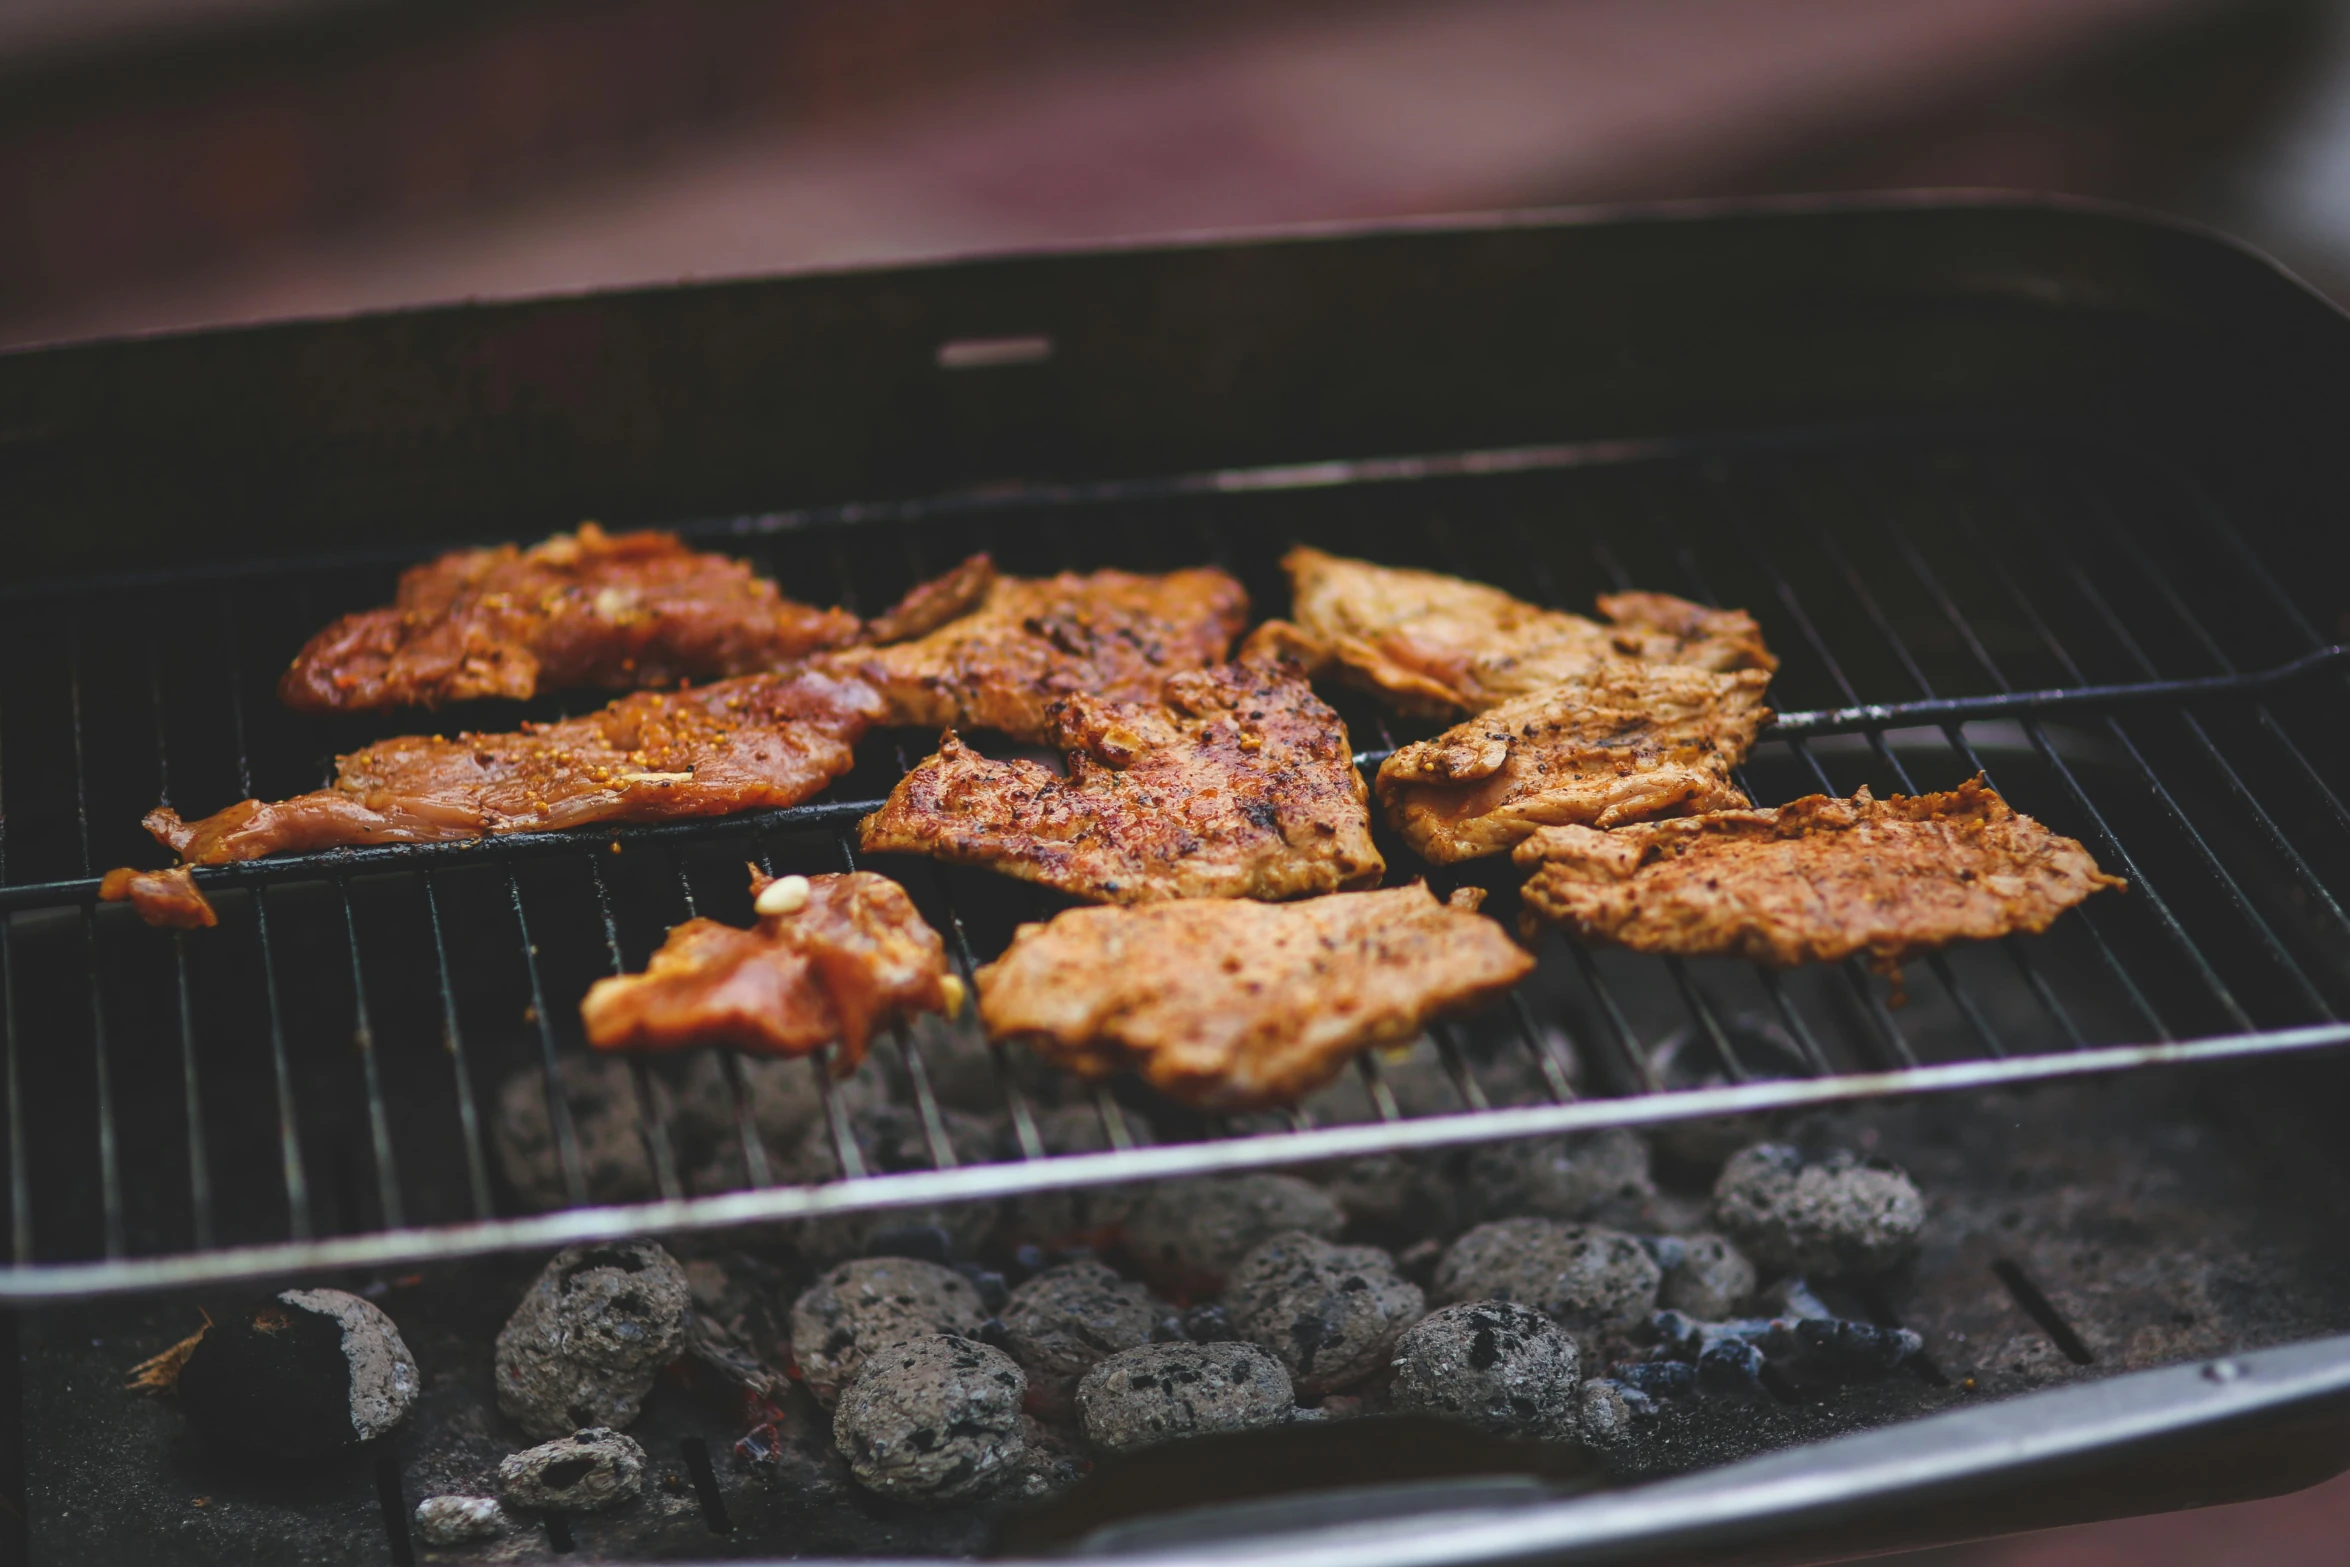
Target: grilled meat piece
1231 1005
166 898
930 605
1621 742
1034 640
618 611
756 742
841 956
1816 879
1435 645
1239 783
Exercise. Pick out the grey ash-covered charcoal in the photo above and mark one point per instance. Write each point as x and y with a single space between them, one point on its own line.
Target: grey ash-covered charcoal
586 1343
1589 1280
892 1141
1165 1392
600 1096
1825 1212
1601 1176
1688 1058
300 1375
932 1419
863 1307
1705 1276
1606 1411
1493 1364
580 1473
1188 1235
1065 1321
1055 1461
1080 1215
458 1520
1396 1199
1332 1313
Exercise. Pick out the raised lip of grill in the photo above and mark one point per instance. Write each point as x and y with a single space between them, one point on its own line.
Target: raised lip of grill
861 1191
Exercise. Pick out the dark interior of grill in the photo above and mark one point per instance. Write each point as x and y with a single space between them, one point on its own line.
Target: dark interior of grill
330 1061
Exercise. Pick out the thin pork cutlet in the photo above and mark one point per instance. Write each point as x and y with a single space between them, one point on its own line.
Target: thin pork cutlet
1229 1004
1238 783
616 612
758 742
1434 645
1623 741
832 957
1032 641
1816 880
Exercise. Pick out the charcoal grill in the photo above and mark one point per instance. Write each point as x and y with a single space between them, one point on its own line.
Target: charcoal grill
2025 488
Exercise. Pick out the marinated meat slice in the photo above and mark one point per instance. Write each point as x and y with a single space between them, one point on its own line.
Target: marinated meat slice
167 898
930 605
839 957
1621 742
1435 645
617 611
1232 1005
1816 879
1239 783
752 743
1034 640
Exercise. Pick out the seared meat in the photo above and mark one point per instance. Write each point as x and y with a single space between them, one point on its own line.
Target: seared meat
1819 878
170 898
840 957
1230 1004
1035 640
756 742
1434 645
633 610
930 605
1621 742
1238 784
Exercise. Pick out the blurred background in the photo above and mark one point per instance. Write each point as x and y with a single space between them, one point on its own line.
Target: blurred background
176 163
168 163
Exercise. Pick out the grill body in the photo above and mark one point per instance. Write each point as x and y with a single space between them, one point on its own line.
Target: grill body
2032 490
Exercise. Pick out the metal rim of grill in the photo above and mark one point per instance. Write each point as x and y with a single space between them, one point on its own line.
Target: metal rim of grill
1954 597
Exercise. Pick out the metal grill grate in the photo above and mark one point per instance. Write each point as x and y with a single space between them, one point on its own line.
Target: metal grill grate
315 1082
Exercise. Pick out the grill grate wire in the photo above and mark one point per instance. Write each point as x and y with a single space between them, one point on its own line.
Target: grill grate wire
1841 542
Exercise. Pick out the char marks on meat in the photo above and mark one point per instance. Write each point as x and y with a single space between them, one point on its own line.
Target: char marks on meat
852 957
1032 641
587 609
1231 1004
1436 645
757 742
1818 879
168 898
1622 741
1238 783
